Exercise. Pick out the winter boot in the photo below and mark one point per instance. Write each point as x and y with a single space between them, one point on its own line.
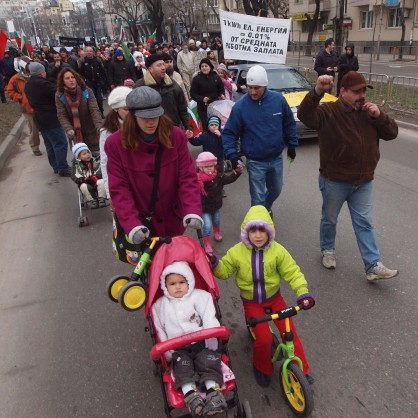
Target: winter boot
208 246
217 233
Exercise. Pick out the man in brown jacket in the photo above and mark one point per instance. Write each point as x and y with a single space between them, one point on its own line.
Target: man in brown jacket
349 131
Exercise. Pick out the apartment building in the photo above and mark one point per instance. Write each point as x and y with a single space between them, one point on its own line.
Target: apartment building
365 21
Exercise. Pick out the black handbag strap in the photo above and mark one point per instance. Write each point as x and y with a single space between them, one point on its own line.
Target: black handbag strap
156 179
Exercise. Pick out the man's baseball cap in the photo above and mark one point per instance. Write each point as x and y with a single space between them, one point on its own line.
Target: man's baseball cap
354 81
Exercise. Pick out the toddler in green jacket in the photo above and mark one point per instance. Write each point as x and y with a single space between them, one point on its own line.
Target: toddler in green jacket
260 263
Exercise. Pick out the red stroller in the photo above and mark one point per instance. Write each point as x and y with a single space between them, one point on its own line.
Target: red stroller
184 248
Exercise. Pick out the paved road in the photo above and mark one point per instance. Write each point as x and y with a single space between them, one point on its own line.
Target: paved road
67 351
386 65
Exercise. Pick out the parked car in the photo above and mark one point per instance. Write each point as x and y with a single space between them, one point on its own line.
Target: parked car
286 80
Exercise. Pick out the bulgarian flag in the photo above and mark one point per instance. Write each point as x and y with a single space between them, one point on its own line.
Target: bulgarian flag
194 119
27 48
153 37
18 40
122 33
126 51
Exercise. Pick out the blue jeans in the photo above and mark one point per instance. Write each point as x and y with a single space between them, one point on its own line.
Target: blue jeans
56 145
266 181
360 203
210 219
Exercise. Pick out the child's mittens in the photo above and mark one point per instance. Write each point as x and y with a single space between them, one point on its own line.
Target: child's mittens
306 301
213 260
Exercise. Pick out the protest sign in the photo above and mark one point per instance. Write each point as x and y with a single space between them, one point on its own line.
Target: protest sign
254 38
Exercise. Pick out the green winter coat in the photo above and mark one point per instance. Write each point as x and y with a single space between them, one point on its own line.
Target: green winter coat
276 262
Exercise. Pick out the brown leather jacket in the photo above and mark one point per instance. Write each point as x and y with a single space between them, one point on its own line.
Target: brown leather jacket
348 139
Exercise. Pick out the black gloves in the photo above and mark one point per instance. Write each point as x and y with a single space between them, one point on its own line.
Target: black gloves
235 162
291 153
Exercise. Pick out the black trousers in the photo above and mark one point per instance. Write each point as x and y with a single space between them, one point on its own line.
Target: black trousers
194 363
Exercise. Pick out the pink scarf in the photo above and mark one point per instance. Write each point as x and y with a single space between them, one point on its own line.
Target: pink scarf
203 177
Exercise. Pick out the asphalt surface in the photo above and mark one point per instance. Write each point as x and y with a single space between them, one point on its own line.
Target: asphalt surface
68 351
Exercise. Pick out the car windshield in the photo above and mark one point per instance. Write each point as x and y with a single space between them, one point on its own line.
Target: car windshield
286 79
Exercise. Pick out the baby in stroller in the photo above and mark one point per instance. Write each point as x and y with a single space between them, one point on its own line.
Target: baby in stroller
181 310
86 173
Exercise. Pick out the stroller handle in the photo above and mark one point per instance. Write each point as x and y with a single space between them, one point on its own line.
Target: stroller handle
160 348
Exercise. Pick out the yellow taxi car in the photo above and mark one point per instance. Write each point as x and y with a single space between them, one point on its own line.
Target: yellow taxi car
286 80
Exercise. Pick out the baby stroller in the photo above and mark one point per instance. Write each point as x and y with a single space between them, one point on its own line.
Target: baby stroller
187 249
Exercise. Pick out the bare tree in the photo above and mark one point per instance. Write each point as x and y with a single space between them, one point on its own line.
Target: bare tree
402 17
279 8
129 11
312 23
155 8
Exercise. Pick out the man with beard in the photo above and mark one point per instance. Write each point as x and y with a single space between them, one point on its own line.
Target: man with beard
172 97
349 131
174 75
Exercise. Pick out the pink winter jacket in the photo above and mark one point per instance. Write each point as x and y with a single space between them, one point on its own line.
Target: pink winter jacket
131 178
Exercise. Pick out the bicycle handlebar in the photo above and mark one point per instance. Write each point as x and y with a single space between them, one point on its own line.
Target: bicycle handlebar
284 313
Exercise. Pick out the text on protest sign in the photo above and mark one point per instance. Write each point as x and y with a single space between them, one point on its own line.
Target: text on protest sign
254 38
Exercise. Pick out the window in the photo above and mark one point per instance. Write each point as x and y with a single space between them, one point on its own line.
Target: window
394 18
366 20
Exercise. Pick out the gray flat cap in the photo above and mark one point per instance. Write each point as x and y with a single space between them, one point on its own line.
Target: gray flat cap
145 102
35 68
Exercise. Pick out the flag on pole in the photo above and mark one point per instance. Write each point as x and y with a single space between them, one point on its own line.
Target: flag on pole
122 33
126 51
152 37
27 48
193 118
3 43
18 39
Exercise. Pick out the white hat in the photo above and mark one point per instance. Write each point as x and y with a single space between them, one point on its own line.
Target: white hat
117 97
257 76
198 43
178 267
137 54
77 148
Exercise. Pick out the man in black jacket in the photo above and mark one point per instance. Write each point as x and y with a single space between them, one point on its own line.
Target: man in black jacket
120 70
326 62
173 100
347 62
92 69
41 96
55 67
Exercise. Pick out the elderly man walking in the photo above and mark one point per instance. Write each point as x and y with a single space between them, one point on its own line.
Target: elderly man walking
264 123
349 131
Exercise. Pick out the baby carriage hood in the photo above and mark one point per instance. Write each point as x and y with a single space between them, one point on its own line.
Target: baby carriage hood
178 267
256 217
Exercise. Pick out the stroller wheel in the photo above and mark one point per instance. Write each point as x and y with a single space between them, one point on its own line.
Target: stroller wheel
83 221
132 296
115 284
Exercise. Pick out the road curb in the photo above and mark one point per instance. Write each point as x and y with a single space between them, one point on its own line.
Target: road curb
11 140
407 125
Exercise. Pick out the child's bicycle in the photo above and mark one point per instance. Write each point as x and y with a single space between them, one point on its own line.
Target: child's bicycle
131 292
295 387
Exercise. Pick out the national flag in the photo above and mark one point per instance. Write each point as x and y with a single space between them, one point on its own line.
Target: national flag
152 37
27 48
18 39
126 51
193 118
122 33
3 43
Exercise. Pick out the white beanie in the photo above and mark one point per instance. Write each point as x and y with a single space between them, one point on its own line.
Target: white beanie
117 97
77 148
137 54
257 76
178 267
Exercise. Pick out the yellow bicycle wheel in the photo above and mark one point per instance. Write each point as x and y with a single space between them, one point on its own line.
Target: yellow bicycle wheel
132 296
115 285
299 397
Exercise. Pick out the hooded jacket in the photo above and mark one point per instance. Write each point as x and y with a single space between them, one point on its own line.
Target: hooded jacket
119 71
16 91
259 271
347 63
179 316
264 127
348 140
206 85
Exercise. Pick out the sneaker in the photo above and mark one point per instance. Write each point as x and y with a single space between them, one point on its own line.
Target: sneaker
215 403
328 259
262 379
65 174
310 379
380 272
37 152
195 404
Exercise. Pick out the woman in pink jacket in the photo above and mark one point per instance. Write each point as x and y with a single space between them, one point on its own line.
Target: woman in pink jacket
166 199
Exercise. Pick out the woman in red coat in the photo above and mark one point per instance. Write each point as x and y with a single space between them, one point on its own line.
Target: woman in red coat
131 167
